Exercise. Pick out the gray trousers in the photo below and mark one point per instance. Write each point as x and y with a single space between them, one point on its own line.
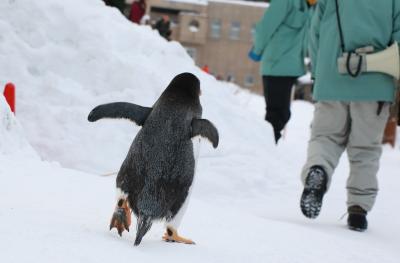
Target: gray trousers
357 128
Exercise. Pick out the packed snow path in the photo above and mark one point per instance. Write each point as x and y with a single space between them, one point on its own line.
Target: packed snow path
51 214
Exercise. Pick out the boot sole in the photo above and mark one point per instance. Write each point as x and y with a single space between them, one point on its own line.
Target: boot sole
310 203
357 229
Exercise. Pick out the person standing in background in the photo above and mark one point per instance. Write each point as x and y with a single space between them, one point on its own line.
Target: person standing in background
163 27
351 109
279 45
138 9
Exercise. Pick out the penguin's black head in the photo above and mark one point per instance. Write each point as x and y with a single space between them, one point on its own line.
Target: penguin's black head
185 85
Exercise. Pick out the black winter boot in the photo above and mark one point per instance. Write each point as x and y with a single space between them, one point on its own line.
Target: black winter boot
314 190
357 219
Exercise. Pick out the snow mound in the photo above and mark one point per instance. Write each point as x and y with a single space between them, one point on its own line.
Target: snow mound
66 60
13 141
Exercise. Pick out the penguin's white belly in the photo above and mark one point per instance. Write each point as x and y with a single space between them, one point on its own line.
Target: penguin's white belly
196 151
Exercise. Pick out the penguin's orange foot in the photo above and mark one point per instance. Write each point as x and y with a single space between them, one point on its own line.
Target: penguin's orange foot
172 236
121 218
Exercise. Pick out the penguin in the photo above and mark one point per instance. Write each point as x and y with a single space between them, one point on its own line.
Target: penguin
155 179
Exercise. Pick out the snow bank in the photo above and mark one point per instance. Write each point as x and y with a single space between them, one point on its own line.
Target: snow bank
66 57
65 60
12 139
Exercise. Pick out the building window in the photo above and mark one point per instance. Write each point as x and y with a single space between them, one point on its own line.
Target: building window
249 81
192 52
194 26
216 28
235 30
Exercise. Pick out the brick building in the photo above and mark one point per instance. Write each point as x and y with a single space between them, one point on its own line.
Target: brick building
216 33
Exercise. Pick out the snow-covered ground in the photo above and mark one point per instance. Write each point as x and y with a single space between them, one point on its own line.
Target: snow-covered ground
66 57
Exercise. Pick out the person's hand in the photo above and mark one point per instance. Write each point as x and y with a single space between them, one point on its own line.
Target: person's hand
253 56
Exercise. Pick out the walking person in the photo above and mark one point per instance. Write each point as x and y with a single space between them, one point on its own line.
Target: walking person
138 9
279 45
351 109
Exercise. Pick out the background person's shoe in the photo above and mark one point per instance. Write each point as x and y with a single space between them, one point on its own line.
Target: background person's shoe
313 193
357 219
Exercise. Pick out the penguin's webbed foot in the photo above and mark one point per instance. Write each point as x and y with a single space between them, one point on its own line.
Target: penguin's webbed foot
171 235
121 218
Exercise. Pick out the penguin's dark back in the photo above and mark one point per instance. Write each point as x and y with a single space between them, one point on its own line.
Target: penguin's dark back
160 163
173 112
170 121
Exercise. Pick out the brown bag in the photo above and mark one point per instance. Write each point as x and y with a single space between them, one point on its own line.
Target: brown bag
391 126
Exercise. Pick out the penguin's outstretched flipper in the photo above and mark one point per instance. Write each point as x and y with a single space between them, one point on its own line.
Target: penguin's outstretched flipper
121 218
172 236
206 129
125 110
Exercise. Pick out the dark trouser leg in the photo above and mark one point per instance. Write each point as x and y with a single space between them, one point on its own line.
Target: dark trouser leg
277 91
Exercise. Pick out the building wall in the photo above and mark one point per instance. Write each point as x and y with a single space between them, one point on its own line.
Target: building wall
189 35
226 57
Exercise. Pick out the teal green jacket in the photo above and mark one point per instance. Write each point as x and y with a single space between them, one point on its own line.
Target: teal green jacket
280 36
365 23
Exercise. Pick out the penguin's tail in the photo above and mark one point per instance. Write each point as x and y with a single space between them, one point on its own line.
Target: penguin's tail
143 225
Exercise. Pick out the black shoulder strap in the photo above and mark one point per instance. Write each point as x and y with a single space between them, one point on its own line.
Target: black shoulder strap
340 27
342 46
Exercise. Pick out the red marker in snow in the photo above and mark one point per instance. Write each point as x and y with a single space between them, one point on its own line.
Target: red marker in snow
9 93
